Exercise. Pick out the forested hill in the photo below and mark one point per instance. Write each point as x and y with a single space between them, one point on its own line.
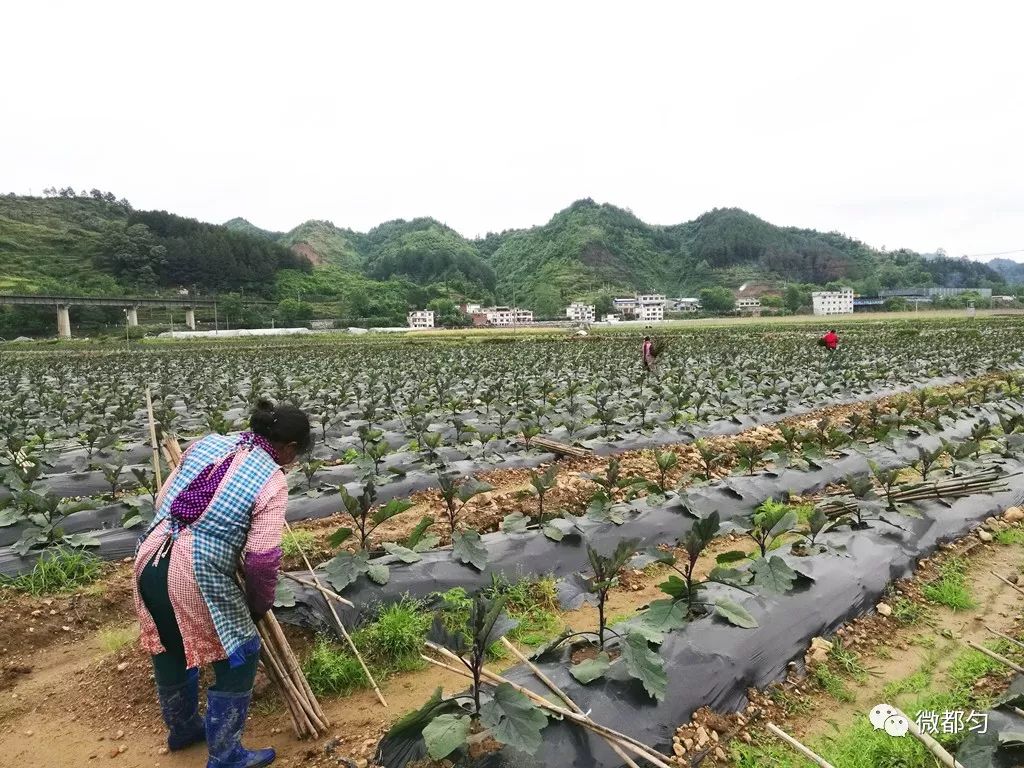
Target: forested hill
93 242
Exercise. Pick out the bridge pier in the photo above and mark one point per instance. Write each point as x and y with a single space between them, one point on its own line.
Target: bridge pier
63 322
190 318
133 316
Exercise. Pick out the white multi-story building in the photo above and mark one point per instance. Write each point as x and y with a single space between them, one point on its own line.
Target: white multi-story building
750 305
833 302
648 307
421 318
580 313
470 309
504 317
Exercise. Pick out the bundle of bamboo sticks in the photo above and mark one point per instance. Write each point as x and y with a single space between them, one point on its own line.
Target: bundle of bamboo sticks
279 662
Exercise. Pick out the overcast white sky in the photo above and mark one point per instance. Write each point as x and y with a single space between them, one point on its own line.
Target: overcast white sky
895 122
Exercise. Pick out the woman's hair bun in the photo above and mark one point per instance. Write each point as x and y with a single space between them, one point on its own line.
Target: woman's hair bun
261 421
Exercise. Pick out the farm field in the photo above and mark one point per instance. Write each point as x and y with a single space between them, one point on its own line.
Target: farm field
707 524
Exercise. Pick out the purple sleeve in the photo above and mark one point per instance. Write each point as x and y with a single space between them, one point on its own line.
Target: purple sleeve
260 570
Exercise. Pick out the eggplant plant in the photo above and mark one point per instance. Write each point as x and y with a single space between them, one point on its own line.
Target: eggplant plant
770 521
452 726
687 593
345 567
466 544
542 483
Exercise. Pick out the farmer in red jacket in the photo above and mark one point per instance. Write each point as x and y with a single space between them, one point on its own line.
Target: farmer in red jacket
830 340
648 354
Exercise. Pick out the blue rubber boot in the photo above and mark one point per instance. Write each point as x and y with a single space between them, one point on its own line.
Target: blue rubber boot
180 707
225 721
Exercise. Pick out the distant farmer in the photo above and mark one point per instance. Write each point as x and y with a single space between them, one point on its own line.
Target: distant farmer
648 353
222 509
830 340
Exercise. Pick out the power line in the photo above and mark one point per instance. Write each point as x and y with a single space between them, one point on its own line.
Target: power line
997 253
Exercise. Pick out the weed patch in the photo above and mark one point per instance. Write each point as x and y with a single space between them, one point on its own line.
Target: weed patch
59 570
114 639
295 542
951 588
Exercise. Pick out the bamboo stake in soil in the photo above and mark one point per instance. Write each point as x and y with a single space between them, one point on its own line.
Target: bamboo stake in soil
797 746
320 588
1007 582
152 441
996 657
563 696
1016 642
626 742
937 750
340 626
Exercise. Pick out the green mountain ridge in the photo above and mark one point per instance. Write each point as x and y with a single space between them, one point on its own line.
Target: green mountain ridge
584 251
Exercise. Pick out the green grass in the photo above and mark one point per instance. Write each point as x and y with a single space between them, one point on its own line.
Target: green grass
847 661
395 639
969 667
389 644
58 570
793 705
906 611
1010 536
831 683
331 669
534 604
951 589
916 683
294 543
115 638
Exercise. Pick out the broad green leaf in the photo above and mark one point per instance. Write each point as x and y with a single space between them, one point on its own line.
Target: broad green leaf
732 576
345 568
404 554
773 573
517 522
558 528
787 523
378 573
417 533
82 540
513 719
393 508
284 594
732 556
734 613
469 549
674 587
339 537
471 487
665 615
427 542
590 670
9 517
445 734
645 665
131 522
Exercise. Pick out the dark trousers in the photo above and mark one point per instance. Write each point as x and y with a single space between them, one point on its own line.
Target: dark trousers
170 667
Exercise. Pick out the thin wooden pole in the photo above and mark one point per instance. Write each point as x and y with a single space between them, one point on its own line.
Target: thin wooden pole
1007 582
562 695
995 656
320 588
937 750
152 441
647 752
1016 642
341 627
797 746
624 741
